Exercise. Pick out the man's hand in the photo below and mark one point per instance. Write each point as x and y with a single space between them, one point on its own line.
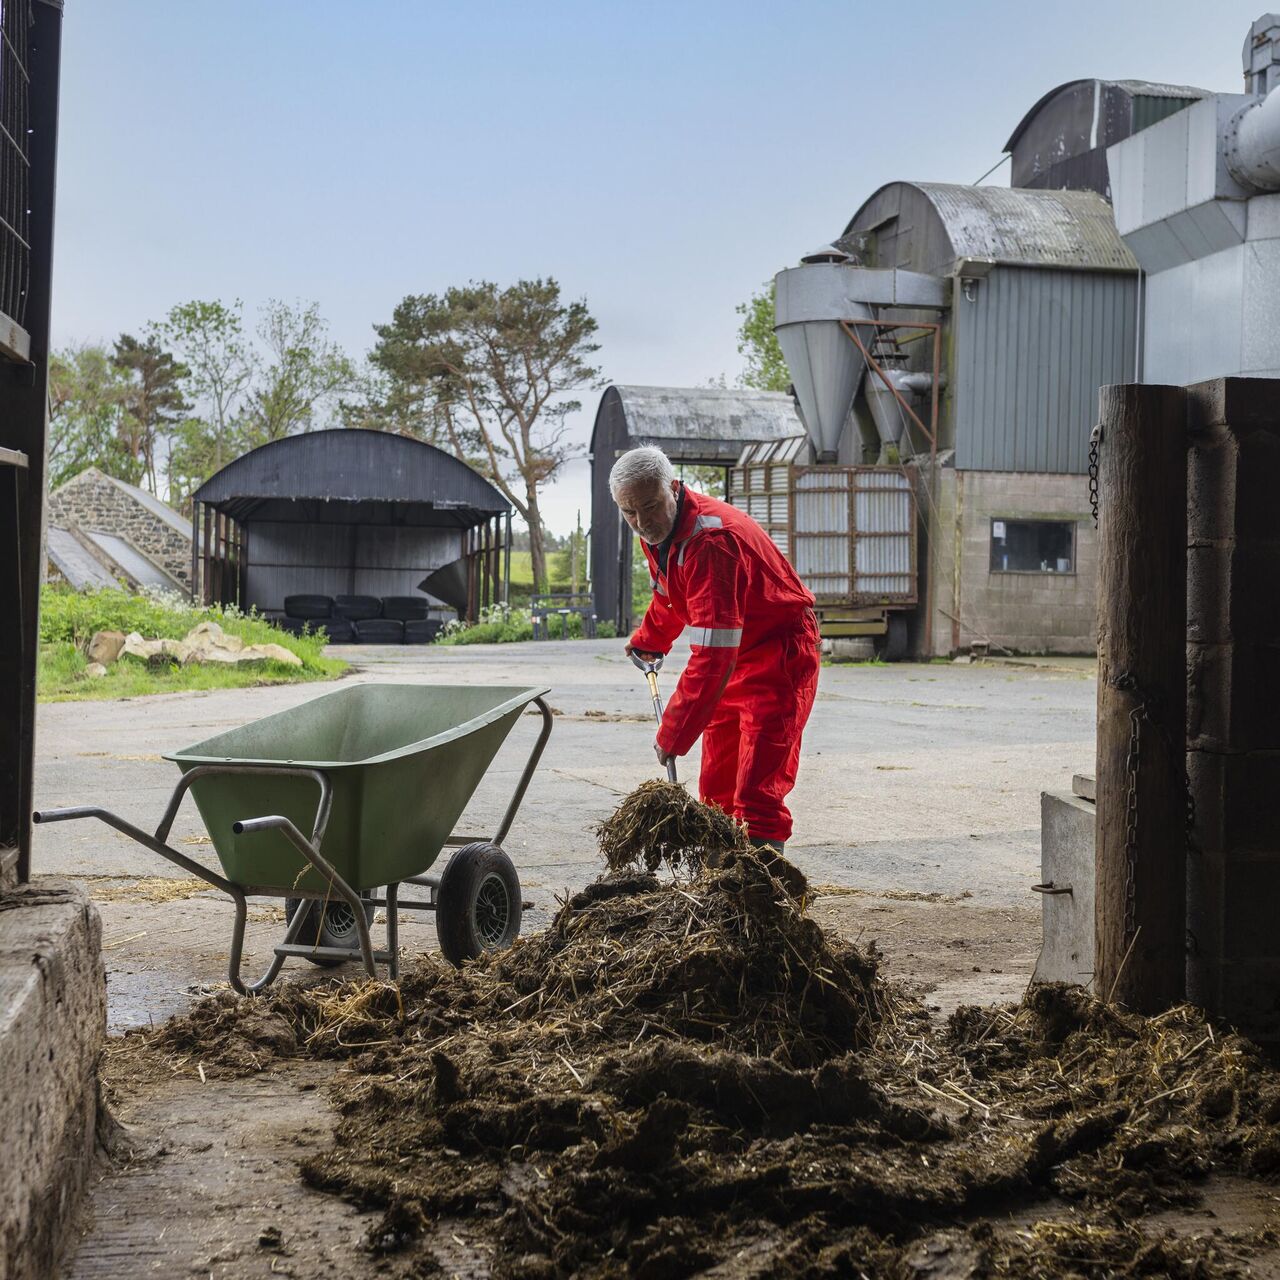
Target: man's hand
631 651
663 758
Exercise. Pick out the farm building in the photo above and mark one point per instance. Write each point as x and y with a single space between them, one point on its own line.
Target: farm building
102 531
350 513
1039 309
694 426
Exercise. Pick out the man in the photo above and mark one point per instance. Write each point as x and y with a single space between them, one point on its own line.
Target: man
750 684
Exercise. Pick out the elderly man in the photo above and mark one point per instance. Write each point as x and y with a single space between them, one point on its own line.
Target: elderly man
750 683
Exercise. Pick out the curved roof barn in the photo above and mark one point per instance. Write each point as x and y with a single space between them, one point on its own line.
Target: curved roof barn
694 424
359 476
1061 143
934 226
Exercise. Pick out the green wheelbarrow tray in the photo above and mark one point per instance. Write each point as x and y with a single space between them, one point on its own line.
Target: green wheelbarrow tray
378 774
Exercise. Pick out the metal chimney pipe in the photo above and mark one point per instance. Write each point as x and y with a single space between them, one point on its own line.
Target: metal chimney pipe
1251 146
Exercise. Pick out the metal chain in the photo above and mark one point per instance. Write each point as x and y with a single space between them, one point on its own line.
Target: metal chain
1095 437
1148 709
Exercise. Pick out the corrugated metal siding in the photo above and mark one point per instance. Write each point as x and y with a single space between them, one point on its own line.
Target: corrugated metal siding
884 514
853 527
287 559
351 465
938 223
1031 351
1151 110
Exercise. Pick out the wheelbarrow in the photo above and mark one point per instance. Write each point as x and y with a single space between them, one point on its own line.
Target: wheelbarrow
379 775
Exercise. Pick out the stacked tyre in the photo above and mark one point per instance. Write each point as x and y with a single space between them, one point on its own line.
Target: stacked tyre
379 631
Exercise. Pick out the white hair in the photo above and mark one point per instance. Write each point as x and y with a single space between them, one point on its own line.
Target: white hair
643 466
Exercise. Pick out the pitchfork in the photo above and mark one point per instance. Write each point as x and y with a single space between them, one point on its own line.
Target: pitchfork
651 666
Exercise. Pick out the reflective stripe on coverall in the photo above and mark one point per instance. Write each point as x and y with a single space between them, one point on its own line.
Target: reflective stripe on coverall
750 683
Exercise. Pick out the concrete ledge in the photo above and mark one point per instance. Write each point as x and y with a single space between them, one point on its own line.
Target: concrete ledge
1067 842
52 1022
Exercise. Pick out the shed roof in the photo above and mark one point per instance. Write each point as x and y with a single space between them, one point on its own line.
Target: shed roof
1031 228
77 564
692 414
367 473
1134 88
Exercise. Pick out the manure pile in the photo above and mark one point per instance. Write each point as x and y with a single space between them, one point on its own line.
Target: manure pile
688 1075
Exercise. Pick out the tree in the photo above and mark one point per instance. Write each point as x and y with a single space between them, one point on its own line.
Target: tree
152 399
189 462
86 408
766 369
306 374
208 337
488 371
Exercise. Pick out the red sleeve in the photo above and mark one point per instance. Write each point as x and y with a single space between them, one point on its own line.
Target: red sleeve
715 584
658 628
660 625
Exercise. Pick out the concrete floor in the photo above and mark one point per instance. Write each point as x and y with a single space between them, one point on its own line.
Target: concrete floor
917 780
917 809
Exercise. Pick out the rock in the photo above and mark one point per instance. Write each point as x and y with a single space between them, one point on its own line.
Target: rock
277 653
208 637
211 655
95 670
175 650
104 647
156 653
136 647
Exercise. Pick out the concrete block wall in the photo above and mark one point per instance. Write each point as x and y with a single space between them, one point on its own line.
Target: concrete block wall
1233 701
92 500
52 1023
1023 612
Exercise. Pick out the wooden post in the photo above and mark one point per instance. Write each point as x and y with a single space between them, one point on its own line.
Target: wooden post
206 576
1141 852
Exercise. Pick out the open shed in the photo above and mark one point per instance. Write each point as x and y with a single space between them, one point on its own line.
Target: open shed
703 426
348 513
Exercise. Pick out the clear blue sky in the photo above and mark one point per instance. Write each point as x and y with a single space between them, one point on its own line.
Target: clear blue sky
661 160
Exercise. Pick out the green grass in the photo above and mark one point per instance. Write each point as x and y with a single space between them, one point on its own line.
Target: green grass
68 619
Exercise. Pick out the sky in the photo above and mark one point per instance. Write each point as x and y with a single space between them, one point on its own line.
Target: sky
660 160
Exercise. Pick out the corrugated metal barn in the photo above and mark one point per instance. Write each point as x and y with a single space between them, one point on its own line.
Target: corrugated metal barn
702 426
1043 311
1061 143
346 513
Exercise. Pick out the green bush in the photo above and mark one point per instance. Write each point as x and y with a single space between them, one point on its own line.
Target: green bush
506 625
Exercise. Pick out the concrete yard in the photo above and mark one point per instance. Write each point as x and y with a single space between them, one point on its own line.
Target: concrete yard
917 814
919 780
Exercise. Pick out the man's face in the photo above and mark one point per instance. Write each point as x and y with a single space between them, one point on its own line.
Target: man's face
649 509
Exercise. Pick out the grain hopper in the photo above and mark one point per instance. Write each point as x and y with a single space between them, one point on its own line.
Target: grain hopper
836 499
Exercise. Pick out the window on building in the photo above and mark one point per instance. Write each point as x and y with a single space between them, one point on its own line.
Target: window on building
1033 546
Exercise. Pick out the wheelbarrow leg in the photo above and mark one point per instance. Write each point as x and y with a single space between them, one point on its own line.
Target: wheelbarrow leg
393 930
237 949
295 837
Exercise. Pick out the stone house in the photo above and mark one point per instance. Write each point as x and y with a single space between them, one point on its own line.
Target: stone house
102 529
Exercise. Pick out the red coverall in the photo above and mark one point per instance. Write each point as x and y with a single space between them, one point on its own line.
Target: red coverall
750 684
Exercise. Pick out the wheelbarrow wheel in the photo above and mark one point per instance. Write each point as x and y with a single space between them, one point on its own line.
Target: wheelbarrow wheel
336 928
478 903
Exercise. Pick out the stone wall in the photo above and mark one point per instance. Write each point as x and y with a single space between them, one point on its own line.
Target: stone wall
93 500
52 1023
1022 612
